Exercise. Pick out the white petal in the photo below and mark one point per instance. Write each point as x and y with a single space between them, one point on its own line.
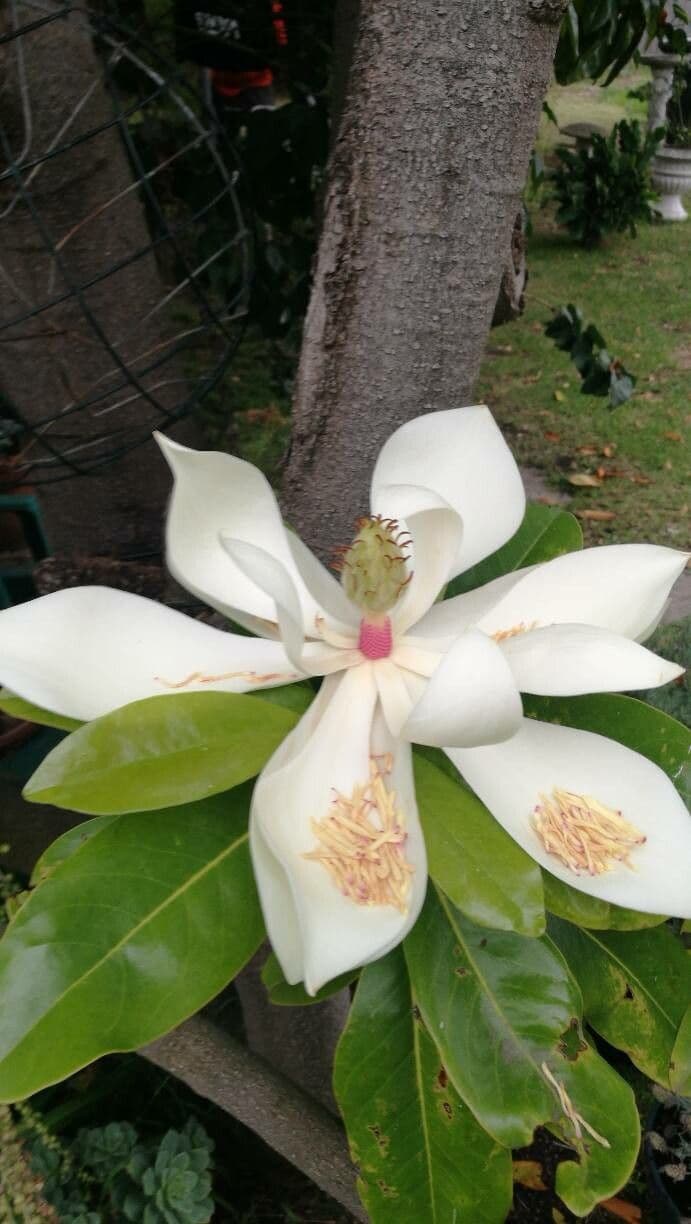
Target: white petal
446 619
435 530
470 699
271 576
324 587
336 933
563 660
87 650
622 587
461 455
215 493
510 778
396 702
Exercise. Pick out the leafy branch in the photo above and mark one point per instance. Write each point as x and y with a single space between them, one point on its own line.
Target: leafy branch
601 374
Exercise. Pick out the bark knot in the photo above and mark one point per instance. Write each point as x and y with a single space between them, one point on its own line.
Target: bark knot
546 12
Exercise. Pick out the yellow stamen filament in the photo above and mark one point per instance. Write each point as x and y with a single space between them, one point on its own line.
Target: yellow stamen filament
366 860
251 677
502 634
577 1120
584 834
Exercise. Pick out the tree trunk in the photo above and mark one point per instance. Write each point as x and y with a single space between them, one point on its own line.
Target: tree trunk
426 172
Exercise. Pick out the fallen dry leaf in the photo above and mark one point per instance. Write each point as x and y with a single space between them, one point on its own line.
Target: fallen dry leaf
596 516
672 435
559 396
528 1173
609 449
586 450
642 480
551 436
584 480
623 1210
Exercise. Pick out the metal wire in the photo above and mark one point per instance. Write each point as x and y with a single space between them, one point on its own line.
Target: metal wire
64 439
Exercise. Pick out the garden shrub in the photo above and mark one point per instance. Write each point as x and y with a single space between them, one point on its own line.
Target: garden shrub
606 187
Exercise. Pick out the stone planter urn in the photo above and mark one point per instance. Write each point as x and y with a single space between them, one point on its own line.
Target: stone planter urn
671 174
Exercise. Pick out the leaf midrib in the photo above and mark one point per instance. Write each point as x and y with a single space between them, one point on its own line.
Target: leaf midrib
632 977
423 1114
150 917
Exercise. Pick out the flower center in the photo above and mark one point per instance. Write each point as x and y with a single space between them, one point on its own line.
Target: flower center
376 639
362 843
373 568
583 833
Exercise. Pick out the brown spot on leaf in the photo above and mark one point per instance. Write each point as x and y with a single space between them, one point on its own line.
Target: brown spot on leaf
387 1191
442 1078
447 1109
483 943
381 1140
460 971
628 993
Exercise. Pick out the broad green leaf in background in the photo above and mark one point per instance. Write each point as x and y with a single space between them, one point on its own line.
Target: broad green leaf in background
475 862
285 995
607 1103
680 1074
579 907
497 1005
420 1152
161 751
636 986
628 721
545 532
17 707
139 927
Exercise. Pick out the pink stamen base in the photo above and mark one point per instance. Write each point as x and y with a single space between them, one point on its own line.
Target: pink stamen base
375 640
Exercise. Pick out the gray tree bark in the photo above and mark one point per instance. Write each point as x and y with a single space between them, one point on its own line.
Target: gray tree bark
440 113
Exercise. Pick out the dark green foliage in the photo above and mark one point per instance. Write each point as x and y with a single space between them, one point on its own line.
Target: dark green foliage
679 109
606 187
600 373
108 1173
602 36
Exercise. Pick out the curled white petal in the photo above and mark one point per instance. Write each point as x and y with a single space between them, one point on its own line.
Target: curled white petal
511 777
564 660
470 699
461 455
622 587
332 753
435 530
85 651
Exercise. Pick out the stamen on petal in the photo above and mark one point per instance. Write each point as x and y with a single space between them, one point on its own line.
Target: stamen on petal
584 834
362 842
577 1120
252 677
502 634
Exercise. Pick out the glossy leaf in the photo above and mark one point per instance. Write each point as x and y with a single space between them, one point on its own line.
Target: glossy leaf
607 1103
282 993
420 1153
17 707
636 987
477 864
145 922
66 845
497 1005
545 532
579 907
628 721
160 752
680 1073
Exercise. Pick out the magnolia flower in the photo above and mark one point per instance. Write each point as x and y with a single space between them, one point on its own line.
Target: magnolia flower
336 842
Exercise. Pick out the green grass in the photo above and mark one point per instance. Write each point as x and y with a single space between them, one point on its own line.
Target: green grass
636 292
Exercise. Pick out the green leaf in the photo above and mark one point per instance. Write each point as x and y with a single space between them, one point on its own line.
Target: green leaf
66 845
475 862
497 1005
420 1153
17 707
285 995
680 1067
160 752
576 906
545 532
143 924
636 986
628 721
607 1104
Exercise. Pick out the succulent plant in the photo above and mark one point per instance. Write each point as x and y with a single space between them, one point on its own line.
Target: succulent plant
172 1186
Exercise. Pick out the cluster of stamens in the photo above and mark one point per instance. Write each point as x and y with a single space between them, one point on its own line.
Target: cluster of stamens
374 567
584 834
361 842
502 635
